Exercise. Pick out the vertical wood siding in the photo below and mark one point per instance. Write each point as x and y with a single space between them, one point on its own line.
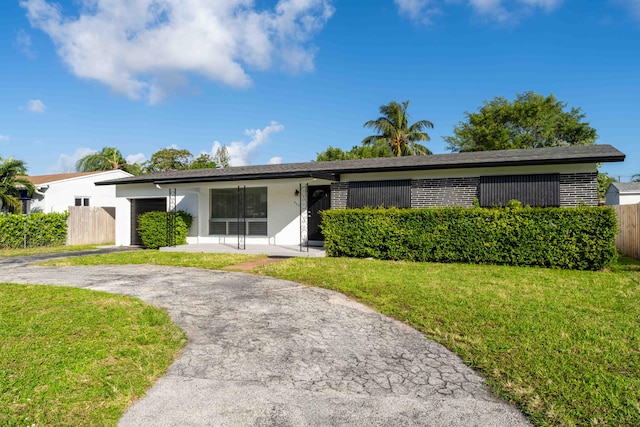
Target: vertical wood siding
379 194
628 238
532 190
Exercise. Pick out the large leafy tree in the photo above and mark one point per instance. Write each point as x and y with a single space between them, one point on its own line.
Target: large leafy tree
169 159
203 161
378 149
530 121
12 180
109 158
393 129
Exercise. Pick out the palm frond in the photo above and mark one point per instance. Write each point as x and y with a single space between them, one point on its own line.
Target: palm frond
393 128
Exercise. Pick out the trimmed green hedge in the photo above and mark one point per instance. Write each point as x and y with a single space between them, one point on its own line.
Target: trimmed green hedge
152 227
40 230
581 238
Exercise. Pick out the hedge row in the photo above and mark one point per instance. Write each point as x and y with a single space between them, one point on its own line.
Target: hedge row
580 238
40 230
152 227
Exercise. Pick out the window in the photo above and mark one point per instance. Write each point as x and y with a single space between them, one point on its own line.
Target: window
238 211
532 190
380 193
82 201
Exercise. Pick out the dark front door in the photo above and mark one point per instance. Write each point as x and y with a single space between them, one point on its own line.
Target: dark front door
319 200
140 206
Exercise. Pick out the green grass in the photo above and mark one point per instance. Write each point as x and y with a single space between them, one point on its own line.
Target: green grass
562 345
208 261
39 250
78 357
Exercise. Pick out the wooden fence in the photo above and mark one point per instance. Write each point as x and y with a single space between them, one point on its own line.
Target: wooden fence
628 238
89 225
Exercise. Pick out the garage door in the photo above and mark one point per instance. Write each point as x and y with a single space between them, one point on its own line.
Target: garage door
140 206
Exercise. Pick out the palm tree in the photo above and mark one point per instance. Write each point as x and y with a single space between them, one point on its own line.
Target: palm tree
110 158
11 182
393 129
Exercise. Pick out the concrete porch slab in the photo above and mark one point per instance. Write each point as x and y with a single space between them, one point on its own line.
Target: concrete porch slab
269 250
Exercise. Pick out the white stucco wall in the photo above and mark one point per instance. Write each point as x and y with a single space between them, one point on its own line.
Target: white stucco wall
186 200
283 209
61 194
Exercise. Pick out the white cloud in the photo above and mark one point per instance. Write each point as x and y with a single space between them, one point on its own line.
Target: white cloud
241 153
509 11
23 42
135 158
36 106
418 10
67 163
275 160
144 48
501 11
4 138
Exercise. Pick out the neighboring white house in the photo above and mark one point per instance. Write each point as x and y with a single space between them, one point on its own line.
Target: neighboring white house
623 193
55 193
280 204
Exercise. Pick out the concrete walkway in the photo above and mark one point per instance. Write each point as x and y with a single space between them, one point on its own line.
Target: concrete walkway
269 352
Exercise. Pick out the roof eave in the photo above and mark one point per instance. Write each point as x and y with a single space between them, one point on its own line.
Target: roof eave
329 176
334 174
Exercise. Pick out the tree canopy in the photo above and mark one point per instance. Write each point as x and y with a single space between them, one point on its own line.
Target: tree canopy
203 161
379 149
11 182
530 121
393 129
168 159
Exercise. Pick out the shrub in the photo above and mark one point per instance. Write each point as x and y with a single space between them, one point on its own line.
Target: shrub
152 227
39 229
581 238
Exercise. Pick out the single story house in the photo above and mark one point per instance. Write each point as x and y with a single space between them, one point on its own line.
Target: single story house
55 193
623 193
280 204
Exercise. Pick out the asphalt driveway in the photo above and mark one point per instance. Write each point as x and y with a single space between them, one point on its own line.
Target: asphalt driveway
268 352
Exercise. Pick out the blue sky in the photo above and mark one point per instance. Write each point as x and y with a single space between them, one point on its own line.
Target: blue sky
279 81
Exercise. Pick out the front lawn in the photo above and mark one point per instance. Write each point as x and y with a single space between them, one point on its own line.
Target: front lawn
39 250
78 357
209 261
562 345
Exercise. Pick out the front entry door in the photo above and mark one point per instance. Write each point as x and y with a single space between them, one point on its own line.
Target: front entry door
319 199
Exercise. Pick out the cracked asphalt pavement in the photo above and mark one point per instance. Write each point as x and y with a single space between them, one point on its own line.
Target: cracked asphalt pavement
267 352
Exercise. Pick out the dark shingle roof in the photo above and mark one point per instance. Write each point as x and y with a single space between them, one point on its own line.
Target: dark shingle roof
627 187
332 170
